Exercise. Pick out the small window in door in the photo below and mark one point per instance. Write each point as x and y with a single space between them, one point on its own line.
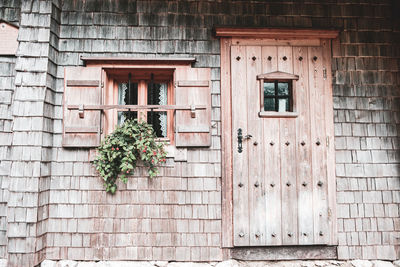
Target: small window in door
277 93
278 96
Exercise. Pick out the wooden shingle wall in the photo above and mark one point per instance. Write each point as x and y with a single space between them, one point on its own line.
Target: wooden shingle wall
33 108
7 65
10 12
177 216
367 127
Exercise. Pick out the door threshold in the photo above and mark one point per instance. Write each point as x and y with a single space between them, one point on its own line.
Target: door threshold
313 252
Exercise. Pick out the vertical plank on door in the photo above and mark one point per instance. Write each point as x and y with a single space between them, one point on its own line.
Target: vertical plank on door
318 141
240 163
271 159
254 144
288 158
303 148
226 134
331 182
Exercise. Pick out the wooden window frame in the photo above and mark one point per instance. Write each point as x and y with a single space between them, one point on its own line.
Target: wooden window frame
110 93
230 36
112 66
276 95
277 77
189 99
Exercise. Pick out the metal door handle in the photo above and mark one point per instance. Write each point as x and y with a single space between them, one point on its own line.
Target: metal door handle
248 136
240 139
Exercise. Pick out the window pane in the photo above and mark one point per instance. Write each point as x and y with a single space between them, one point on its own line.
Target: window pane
123 115
269 104
158 119
157 94
269 89
283 104
283 88
127 95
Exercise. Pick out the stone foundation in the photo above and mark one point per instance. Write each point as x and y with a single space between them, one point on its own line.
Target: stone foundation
229 263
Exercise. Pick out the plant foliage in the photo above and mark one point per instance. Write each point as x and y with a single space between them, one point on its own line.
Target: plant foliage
120 152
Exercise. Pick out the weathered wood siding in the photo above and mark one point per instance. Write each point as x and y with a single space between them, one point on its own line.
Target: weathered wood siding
57 207
10 12
7 72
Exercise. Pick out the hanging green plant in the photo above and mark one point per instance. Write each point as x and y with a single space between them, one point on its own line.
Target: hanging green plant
120 152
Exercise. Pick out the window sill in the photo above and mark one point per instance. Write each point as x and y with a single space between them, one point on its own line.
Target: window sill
165 140
274 114
174 153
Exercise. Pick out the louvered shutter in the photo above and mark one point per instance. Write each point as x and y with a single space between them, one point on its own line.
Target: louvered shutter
82 86
193 89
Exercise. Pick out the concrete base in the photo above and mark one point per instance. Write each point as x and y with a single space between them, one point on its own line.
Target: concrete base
229 263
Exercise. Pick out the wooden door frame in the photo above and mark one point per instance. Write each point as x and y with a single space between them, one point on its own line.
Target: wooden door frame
260 36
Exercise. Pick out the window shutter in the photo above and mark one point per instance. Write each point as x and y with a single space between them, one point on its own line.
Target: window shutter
82 86
193 89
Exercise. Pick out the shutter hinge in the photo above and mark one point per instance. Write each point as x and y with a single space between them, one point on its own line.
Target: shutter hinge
81 111
327 141
192 111
324 73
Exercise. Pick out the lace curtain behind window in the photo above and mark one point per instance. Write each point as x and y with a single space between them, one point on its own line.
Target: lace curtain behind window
157 94
163 115
121 101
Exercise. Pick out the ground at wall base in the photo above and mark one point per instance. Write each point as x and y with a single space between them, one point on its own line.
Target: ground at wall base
229 263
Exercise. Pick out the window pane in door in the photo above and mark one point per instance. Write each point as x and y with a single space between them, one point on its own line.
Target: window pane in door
283 89
283 105
127 95
269 104
269 89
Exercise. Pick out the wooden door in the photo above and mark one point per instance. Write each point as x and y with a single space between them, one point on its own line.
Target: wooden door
281 179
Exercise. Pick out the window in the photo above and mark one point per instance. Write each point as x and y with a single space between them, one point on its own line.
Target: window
167 93
277 94
147 94
155 93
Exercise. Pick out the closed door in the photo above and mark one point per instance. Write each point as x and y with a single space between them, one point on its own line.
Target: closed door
281 133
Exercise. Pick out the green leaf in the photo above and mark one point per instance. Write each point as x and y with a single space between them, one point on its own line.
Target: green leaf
131 139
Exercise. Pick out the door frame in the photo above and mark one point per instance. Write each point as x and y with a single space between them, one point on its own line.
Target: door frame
261 36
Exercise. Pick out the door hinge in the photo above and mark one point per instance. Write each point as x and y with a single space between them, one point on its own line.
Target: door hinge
327 141
324 73
102 85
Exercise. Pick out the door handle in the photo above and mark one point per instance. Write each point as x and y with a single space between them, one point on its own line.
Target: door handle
240 139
